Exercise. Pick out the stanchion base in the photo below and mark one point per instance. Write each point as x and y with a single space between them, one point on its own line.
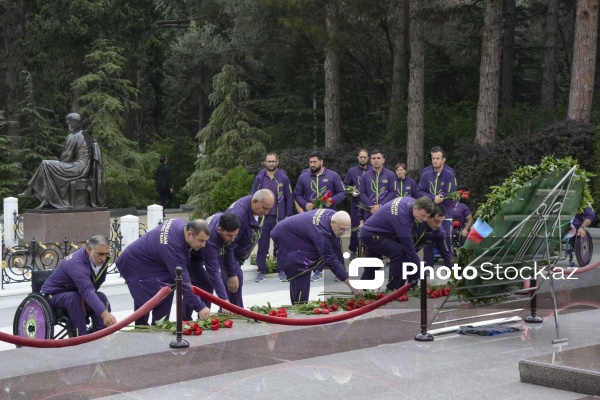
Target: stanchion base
424 337
179 344
533 319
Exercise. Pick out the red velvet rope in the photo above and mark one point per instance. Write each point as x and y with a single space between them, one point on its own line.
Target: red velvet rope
301 321
51 343
576 271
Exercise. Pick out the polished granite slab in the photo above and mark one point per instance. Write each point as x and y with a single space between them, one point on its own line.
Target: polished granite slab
577 370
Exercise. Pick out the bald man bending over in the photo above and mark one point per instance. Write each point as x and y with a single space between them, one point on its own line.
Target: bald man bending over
307 241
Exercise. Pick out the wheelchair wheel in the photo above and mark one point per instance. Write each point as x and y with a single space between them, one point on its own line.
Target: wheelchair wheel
584 249
34 318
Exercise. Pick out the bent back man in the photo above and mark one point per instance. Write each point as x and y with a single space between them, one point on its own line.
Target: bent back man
277 181
250 210
389 233
305 242
148 264
207 263
74 284
425 234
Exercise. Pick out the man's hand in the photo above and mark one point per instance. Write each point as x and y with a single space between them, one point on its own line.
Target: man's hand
233 284
464 232
356 292
225 311
108 318
328 202
438 199
204 313
309 206
581 232
360 223
375 208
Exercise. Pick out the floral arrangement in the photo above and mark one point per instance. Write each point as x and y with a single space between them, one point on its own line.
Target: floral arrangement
351 191
458 195
194 328
321 202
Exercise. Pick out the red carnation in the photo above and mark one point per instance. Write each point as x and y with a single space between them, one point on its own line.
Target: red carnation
380 295
460 192
325 311
456 224
187 331
198 332
317 311
215 327
273 313
228 323
334 307
215 321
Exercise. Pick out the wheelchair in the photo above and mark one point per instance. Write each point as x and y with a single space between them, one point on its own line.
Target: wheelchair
583 248
36 318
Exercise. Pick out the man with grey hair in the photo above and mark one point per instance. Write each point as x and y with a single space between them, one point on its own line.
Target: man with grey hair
306 242
251 211
148 264
76 281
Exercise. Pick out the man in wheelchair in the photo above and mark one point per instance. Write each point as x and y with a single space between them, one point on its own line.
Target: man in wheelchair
582 220
74 284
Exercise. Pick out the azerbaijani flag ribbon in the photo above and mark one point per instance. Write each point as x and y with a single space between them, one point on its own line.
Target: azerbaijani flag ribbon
479 231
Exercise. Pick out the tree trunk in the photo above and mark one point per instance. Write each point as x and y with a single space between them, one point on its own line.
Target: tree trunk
332 78
13 33
416 88
489 73
549 68
584 61
399 20
508 54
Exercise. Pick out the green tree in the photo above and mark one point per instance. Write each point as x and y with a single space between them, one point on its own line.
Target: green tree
229 139
128 173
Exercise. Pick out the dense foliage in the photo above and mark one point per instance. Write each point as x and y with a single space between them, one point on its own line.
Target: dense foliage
214 84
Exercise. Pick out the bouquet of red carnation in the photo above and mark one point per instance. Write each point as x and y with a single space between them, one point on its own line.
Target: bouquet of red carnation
320 202
458 195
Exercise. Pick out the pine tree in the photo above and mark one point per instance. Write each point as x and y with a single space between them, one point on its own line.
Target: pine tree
229 139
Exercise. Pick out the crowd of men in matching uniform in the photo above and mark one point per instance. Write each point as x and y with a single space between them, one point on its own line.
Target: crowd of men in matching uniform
391 214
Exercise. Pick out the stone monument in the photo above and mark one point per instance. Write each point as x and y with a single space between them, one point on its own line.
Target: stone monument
71 192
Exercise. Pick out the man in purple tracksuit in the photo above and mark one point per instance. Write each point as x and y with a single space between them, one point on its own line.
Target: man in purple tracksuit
305 242
462 214
74 284
207 263
148 264
277 181
377 186
405 185
389 233
583 220
315 184
352 178
437 182
250 210
425 234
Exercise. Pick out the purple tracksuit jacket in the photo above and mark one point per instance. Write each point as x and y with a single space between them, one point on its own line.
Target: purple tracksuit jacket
353 178
153 258
588 213
74 274
249 228
282 190
311 186
432 184
406 187
376 188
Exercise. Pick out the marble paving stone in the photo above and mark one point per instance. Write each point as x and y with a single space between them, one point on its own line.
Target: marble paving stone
577 370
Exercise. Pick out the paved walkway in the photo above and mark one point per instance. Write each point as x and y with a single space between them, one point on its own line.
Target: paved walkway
373 356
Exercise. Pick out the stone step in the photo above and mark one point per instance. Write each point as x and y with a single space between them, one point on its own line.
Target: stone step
575 370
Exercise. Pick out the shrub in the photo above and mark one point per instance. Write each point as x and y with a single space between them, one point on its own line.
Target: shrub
234 184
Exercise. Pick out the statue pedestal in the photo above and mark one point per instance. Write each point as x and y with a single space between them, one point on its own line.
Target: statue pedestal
76 225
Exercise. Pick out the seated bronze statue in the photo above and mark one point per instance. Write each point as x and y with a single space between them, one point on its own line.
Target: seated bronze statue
75 180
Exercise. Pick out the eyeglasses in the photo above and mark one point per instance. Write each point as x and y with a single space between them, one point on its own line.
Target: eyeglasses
340 228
